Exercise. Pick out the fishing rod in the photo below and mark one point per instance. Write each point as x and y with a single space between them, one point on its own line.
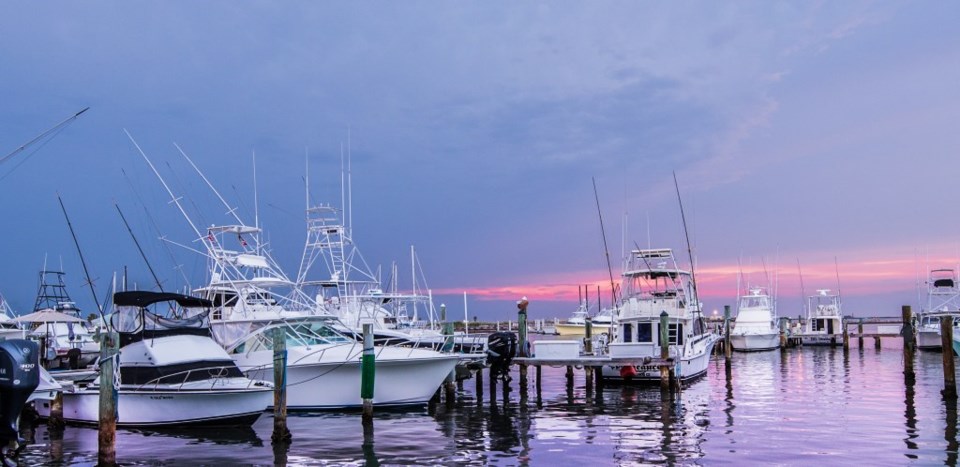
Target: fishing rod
142 255
86 272
606 251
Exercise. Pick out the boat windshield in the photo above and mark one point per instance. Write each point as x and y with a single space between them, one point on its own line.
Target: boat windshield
299 333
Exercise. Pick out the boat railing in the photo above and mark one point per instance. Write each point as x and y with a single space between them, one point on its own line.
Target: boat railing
214 374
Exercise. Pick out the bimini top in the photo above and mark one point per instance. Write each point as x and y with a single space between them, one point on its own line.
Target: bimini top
134 323
143 299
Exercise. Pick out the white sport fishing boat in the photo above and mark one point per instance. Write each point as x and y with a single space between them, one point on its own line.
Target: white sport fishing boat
824 324
943 299
653 283
348 289
62 339
755 327
323 364
171 371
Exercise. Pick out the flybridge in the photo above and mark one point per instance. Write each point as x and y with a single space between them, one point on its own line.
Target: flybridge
654 253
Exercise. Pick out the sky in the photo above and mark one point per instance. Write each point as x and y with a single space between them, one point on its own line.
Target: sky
815 144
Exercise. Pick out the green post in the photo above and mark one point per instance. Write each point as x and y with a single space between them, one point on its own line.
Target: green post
522 327
367 366
664 351
281 434
107 437
727 345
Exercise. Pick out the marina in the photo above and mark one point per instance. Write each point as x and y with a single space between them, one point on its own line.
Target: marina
328 233
751 416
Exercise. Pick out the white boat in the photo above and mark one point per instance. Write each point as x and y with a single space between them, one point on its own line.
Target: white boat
755 327
62 339
323 364
8 328
171 371
824 325
943 299
575 325
653 283
349 290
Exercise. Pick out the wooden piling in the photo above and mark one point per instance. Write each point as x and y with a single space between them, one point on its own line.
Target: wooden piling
522 327
569 376
783 333
664 350
281 434
479 388
860 333
876 342
588 336
846 335
539 385
107 436
727 345
523 380
55 420
949 370
909 346
367 373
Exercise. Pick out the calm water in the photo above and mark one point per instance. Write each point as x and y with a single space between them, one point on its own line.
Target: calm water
809 406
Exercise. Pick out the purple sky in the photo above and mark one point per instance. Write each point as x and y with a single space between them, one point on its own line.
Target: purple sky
804 130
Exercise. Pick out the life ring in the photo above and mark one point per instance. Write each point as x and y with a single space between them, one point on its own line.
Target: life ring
628 371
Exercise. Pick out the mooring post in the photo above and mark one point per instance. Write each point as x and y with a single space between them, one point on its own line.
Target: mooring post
107 437
783 333
664 351
367 373
860 333
281 434
479 388
876 342
727 345
908 340
588 336
522 327
450 383
846 334
55 421
949 371
569 376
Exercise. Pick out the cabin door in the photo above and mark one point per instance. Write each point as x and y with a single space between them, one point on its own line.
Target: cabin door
829 326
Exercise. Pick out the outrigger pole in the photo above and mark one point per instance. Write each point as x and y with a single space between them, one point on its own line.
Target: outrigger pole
86 272
142 255
603 232
693 274
42 135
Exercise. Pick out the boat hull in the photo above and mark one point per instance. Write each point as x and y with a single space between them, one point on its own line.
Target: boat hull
168 407
755 342
832 340
929 339
333 385
688 369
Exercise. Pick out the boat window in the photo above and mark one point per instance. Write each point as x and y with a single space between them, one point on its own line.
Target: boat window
224 299
627 332
675 333
644 332
818 324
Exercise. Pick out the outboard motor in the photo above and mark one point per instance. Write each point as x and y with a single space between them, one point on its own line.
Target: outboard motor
19 377
501 348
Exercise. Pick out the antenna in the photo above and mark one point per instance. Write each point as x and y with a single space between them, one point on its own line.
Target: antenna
606 251
350 183
84 263
142 255
836 268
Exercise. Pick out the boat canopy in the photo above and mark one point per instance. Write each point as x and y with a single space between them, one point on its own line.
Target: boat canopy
143 299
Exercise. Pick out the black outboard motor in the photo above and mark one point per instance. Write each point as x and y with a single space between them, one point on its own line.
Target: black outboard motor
501 348
19 377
